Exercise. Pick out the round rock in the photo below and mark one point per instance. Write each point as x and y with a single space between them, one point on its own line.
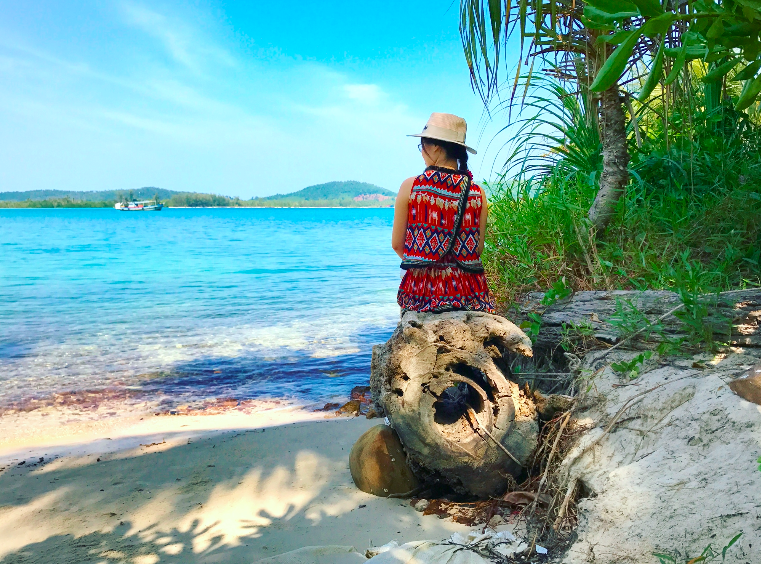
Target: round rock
378 464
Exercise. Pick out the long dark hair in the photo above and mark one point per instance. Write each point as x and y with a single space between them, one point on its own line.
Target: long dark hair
453 150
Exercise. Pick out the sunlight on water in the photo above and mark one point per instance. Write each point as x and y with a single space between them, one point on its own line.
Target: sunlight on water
191 304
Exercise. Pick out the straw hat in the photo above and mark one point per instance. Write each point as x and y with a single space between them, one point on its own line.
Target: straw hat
446 127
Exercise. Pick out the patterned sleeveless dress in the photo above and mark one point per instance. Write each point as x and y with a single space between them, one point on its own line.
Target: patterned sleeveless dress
442 266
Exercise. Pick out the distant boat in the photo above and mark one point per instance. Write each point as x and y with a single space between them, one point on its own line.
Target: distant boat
145 205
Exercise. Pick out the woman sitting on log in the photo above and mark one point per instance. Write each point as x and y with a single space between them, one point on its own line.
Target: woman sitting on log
439 224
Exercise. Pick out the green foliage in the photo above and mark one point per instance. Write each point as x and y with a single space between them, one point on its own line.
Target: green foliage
630 321
196 200
689 221
632 367
708 554
532 326
86 196
55 203
554 134
725 32
559 291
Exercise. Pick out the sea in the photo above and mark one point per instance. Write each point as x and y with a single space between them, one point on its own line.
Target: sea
185 306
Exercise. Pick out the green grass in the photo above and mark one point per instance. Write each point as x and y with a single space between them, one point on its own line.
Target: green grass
689 221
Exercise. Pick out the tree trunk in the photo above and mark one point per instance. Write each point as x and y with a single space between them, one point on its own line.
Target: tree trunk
441 380
736 316
615 158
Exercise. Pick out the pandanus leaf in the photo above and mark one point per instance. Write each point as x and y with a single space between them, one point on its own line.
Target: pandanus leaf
721 71
649 8
599 16
655 75
613 6
614 39
614 65
522 14
748 72
716 29
495 15
749 93
678 65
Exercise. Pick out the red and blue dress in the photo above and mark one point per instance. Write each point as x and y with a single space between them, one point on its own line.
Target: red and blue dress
442 266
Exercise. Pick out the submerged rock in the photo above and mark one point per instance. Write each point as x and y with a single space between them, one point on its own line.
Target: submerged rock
378 464
352 407
441 380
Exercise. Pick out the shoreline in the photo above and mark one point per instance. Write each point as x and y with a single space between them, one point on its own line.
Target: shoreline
210 208
74 432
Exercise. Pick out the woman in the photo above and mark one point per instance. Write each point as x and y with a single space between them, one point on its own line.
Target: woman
439 224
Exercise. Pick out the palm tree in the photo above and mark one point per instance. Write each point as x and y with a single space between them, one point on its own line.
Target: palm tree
554 29
582 36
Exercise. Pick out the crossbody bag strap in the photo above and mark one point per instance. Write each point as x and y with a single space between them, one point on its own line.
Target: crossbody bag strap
461 205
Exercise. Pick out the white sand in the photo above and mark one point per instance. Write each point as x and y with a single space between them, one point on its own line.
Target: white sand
678 472
257 488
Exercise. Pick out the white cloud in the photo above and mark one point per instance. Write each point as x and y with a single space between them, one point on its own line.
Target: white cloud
369 94
186 45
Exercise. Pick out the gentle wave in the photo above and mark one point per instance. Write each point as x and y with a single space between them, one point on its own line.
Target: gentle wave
186 305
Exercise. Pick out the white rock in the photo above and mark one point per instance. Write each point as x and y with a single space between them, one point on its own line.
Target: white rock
421 505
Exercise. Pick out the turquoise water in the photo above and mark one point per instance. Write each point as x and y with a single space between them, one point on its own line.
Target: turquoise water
184 305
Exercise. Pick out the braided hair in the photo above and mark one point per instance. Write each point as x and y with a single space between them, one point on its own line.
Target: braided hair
453 151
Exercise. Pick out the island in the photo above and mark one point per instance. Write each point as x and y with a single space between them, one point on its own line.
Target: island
337 194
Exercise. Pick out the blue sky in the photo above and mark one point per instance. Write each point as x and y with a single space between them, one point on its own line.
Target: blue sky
242 98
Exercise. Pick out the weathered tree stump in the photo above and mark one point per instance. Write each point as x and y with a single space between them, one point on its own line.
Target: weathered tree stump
441 381
735 315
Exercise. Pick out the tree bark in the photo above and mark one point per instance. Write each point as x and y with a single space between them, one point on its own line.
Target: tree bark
441 381
737 312
615 158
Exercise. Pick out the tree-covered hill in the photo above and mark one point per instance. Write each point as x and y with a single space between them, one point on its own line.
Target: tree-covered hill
333 191
331 194
144 193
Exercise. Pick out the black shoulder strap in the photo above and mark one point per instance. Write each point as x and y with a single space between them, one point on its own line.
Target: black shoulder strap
461 206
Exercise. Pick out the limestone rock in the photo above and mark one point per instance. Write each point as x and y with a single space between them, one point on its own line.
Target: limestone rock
748 386
434 375
378 464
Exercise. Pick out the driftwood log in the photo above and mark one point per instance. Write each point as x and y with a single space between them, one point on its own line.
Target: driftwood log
740 310
441 381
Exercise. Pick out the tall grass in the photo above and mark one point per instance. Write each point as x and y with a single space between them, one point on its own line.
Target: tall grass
691 215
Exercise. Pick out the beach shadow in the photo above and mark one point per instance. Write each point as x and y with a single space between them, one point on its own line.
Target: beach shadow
119 545
237 497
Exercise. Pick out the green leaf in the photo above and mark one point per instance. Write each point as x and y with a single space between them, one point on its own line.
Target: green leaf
678 65
749 93
615 64
495 15
721 71
655 74
614 39
613 6
692 52
748 72
716 29
649 8
595 15
753 4
729 545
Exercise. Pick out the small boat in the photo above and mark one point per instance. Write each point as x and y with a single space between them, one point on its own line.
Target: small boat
145 205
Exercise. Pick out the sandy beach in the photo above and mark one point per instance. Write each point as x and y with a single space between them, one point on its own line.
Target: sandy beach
231 487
